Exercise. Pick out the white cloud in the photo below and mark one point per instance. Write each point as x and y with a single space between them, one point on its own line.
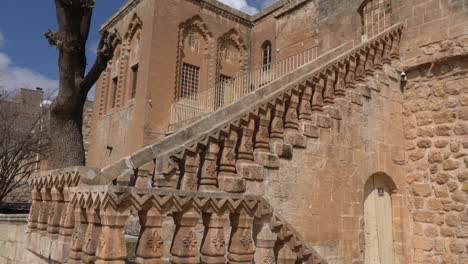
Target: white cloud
241 5
93 47
13 78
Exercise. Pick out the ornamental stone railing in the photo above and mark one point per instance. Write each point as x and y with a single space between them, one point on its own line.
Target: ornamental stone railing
232 145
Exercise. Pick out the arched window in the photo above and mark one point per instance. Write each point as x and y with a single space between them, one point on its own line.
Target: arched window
376 16
266 48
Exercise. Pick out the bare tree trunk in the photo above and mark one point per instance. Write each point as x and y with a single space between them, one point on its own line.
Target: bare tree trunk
74 20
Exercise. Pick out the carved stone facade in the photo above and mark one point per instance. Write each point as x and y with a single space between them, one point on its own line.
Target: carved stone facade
357 156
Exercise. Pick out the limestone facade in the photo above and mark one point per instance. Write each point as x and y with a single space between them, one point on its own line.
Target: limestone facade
359 154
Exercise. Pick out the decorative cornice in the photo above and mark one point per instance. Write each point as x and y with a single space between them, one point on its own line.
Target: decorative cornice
121 13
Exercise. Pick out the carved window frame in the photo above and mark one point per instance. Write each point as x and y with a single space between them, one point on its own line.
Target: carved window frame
376 16
266 55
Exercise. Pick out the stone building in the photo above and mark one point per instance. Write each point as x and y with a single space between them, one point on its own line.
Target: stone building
316 131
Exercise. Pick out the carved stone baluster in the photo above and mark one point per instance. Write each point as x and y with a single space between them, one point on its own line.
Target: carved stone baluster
262 138
317 98
67 224
229 181
246 146
45 210
350 79
55 214
286 256
378 64
240 245
33 219
369 66
167 173
360 70
209 171
265 243
78 235
277 125
387 57
91 236
395 51
190 180
185 247
150 248
340 87
111 247
214 244
329 92
291 121
305 108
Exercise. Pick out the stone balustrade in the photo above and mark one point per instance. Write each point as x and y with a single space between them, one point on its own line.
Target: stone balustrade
231 146
51 219
208 228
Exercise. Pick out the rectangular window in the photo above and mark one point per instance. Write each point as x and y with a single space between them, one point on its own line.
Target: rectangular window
114 91
376 17
224 91
189 82
134 80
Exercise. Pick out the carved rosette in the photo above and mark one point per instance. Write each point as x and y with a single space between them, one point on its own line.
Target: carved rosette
214 244
329 93
209 170
305 107
291 118
185 246
277 125
241 246
245 151
340 88
317 97
262 138
150 247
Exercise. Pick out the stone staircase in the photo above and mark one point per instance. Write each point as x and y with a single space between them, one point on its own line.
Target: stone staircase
201 176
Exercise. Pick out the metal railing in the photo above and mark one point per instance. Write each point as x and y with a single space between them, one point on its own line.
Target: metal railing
226 92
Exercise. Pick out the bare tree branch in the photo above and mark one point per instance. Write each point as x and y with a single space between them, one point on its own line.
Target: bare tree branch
52 37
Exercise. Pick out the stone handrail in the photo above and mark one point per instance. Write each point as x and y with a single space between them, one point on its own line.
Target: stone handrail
229 146
245 226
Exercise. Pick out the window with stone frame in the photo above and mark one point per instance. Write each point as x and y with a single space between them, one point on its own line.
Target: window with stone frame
134 80
114 91
189 81
266 55
376 16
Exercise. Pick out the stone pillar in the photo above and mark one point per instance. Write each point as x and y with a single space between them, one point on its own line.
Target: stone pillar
209 169
67 220
305 108
369 66
190 180
55 214
262 138
387 58
329 93
214 244
229 181
286 256
395 50
378 64
291 118
111 247
340 87
277 125
350 79
361 61
240 245
78 236
150 248
264 252
91 236
317 97
245 153
45 208
33 219
185 247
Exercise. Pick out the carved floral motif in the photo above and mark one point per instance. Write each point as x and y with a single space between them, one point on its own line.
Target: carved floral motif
155 242
245 239
218 241
190 241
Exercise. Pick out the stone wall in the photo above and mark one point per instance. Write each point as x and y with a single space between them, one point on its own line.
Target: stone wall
12 251
436 129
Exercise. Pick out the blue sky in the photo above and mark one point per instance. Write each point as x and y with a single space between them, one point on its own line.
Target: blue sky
27 60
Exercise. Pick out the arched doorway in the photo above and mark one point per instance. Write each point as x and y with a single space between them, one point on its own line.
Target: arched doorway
378 227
